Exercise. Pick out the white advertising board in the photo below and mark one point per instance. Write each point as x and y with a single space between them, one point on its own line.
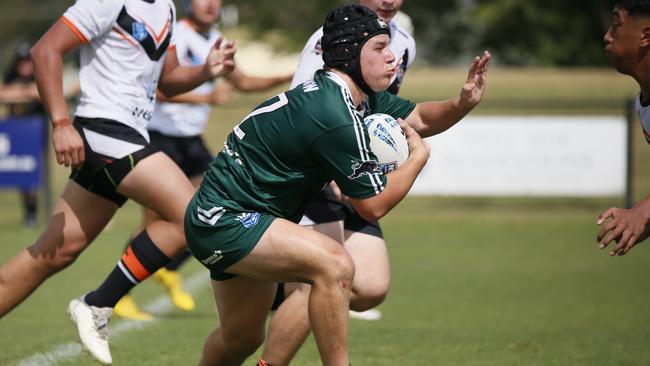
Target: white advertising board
527 156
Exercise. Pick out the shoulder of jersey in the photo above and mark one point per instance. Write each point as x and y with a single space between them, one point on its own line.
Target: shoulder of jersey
402 32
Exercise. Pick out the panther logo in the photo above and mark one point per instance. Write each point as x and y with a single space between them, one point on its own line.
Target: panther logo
364 168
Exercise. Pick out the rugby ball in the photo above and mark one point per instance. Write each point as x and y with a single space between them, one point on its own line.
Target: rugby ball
387 141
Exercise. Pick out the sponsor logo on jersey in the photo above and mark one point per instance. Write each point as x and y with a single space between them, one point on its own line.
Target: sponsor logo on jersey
139 31
249 219
210 216
367 167
214 258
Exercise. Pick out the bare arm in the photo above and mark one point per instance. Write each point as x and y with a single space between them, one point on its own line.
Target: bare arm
47 56
176 79
399 182
432 118
220 95
19 93
627 227
246 83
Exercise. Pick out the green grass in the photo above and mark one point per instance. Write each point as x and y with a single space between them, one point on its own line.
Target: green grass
475 281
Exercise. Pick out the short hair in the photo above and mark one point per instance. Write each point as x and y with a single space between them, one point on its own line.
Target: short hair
635 7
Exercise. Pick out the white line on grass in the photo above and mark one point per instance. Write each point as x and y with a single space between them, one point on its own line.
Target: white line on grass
159 305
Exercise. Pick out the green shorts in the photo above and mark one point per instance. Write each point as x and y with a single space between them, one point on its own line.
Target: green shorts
219 237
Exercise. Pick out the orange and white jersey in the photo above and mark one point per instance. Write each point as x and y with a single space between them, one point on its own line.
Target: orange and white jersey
183 119
402 45
644 116
125 44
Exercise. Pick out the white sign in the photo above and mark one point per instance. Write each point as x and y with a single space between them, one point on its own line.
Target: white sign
527 156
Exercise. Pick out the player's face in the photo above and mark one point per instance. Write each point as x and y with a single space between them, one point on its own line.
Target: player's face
377 63
206 12
385 9
622 41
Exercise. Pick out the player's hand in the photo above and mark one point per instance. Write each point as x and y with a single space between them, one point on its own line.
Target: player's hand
626 227
472 92
418 148
68 146
220 95
221 59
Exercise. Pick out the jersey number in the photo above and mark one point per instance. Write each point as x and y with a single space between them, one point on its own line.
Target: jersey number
282 101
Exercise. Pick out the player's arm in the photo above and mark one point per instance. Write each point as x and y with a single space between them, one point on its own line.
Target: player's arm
398 182
18 93
247 83
176 79
627 227
219 95
47 56
432 118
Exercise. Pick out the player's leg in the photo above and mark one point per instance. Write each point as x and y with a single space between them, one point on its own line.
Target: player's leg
365 244
243 306
156 183
287 252
289 326
77 218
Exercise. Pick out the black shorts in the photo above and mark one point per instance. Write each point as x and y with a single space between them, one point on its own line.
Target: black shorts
326 208
112 150
189 153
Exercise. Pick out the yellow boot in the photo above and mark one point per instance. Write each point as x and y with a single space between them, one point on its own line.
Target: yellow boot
174 286
128 309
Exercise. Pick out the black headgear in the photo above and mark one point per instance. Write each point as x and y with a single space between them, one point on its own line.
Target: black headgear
346 30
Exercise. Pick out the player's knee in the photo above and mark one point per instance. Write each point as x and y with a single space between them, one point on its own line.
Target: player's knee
338 267
368 297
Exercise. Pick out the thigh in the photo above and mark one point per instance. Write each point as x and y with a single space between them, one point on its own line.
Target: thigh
77 218
158 183
287 252
370 259
332 230
243 303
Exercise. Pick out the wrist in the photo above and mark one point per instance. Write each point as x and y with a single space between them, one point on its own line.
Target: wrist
61 122
462 105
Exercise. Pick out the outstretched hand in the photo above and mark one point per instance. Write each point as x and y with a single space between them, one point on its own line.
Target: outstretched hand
626 227
472 92
221 59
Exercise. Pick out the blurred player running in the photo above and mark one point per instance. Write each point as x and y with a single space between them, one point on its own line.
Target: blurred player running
178 123
124 47
627 44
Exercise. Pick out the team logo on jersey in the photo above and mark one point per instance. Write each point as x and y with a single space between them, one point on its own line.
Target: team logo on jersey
214 258
210 216
367 167
249 219
139 31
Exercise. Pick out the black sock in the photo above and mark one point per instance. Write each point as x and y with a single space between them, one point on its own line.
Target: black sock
141 258
180 259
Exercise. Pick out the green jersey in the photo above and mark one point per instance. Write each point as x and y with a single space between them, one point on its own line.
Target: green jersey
289 147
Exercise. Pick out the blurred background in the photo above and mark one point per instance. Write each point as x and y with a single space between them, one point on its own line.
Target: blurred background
501 276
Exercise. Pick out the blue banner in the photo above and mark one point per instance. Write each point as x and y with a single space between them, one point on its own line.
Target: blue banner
22 144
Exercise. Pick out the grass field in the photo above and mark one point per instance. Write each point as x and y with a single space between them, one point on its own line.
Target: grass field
476 281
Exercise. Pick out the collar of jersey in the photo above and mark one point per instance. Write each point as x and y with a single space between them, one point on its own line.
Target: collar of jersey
337 79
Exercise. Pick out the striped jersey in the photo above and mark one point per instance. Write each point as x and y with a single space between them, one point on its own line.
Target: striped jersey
402 45
184 119
123 52
644 115
290 146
